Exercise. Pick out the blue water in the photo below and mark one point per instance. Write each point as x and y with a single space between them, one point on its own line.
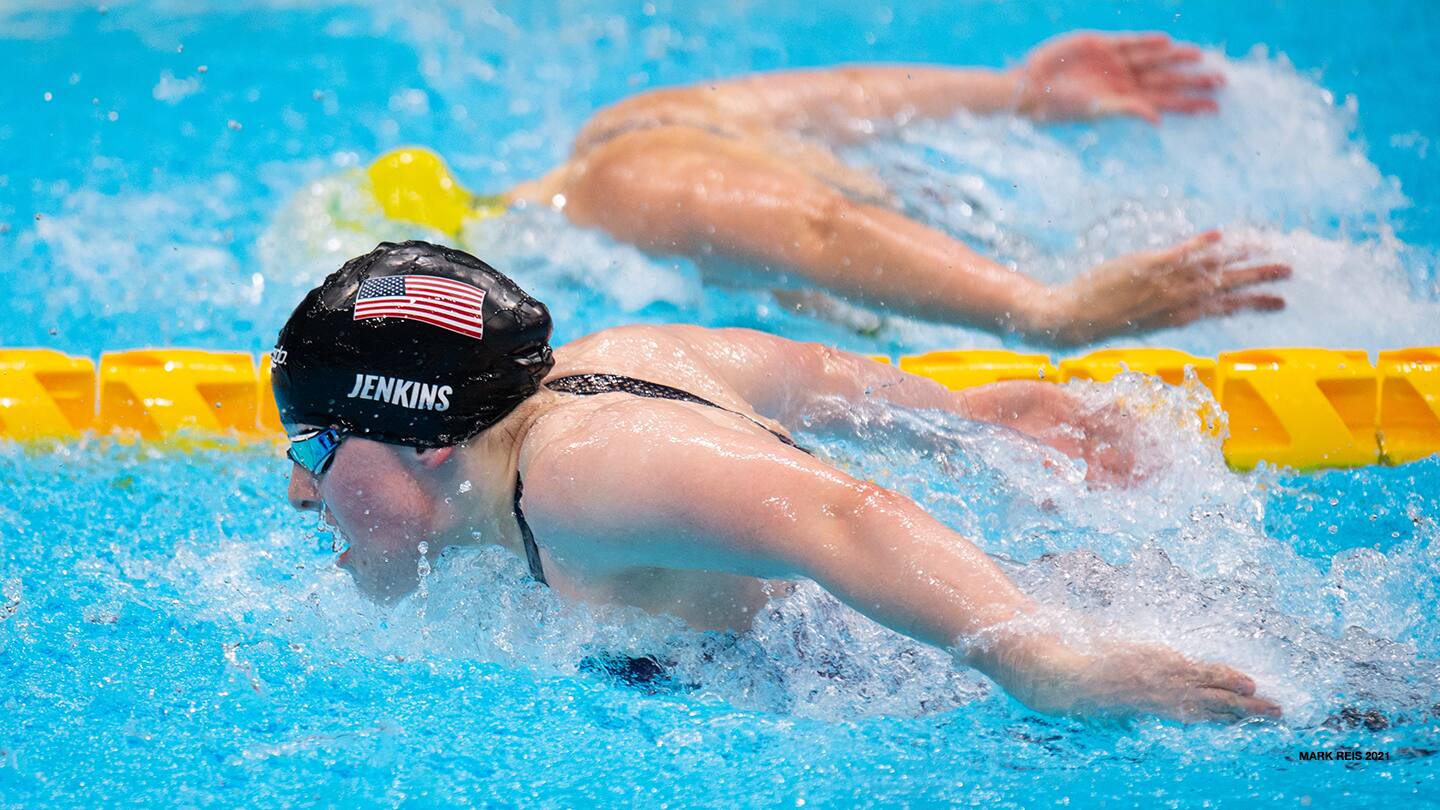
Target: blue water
170 633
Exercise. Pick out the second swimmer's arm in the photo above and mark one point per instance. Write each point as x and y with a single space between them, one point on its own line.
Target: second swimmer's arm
856 100
1076 76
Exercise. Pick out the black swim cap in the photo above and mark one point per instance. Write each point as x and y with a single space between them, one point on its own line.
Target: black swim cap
411 344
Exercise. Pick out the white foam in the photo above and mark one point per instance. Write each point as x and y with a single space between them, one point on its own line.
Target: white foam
1277 169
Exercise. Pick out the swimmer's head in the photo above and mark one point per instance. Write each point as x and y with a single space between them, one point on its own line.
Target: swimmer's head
411 344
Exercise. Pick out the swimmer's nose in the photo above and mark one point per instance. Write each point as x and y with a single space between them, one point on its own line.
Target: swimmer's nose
304 490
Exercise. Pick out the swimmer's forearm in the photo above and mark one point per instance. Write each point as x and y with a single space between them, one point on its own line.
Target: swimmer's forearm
795 382
857 100
828 373
934 92
905 570
886 259
901 567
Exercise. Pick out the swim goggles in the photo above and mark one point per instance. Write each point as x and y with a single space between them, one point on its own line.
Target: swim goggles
315 449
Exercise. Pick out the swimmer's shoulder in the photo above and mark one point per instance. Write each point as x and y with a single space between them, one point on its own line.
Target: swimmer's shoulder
713 112
696 359
632 349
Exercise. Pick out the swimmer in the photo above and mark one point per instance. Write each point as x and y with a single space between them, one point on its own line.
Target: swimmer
741 174
653 466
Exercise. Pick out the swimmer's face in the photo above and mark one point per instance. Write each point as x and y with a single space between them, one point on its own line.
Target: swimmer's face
375 494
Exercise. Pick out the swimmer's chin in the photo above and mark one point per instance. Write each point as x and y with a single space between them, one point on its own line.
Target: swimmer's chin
374 583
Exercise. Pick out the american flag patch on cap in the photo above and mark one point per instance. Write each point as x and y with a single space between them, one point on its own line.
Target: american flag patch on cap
442 302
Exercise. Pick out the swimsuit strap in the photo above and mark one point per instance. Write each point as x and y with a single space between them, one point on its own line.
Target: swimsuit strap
591 384
532 551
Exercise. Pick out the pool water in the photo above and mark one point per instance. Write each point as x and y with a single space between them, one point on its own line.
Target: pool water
171 633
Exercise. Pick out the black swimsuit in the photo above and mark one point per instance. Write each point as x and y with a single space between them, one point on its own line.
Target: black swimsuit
589 385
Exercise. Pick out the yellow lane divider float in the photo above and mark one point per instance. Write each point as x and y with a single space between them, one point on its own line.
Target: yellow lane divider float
1301 408
45 394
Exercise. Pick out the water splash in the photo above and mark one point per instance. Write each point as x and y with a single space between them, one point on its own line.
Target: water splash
1278 170
1188 557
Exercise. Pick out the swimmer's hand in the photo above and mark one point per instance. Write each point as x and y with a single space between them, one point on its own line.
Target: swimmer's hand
1093 75
1157 289
1104 438
1119 681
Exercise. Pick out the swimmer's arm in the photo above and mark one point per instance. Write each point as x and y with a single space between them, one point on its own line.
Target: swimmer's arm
798 383
855 101
678 491
1076 76
681 491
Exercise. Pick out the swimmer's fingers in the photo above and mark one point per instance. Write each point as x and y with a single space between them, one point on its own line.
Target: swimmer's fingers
1192 249
1218 307
1221 256
1205 281
1219 676
1166 81
1139 43
1259 274
1128 105
1208 704
1208 258
1155 54
1181 103
1207 276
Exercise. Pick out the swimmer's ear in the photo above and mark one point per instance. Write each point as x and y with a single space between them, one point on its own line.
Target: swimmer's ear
432 457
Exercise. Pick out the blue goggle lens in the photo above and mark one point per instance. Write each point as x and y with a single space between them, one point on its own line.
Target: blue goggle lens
315 450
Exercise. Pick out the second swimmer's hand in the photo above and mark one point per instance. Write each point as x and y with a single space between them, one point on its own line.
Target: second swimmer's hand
1092 75
1118 681
1157 289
